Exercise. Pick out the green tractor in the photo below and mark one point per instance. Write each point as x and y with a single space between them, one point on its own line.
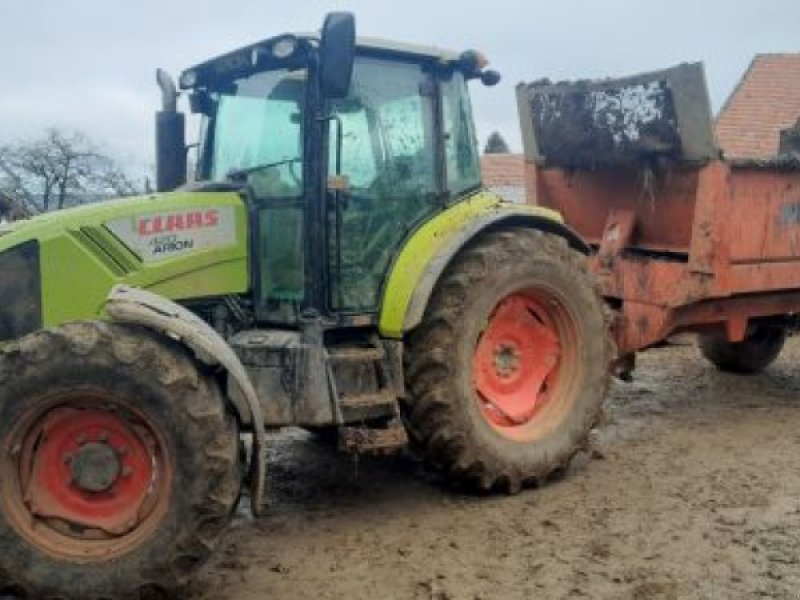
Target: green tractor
334 264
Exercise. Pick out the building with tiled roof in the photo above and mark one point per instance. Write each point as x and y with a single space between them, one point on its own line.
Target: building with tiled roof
766 101
505 175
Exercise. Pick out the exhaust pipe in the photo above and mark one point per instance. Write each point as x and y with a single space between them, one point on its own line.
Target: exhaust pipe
170 137
169 93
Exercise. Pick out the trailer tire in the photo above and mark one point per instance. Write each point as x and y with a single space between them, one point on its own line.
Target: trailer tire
509 368
752 355
119 463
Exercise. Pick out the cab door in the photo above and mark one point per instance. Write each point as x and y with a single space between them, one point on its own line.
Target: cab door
388 157
259 137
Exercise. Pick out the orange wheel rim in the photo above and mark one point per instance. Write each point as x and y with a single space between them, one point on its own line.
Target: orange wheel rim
518 361
89 476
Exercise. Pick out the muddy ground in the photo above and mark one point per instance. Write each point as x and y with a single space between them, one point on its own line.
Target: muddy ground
691 491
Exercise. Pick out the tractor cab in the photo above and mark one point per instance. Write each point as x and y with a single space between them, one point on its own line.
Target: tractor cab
342 147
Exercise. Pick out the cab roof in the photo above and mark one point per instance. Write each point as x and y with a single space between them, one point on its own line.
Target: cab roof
240 60
394 46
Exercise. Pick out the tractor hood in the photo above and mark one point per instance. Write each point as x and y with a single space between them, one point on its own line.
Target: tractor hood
60 266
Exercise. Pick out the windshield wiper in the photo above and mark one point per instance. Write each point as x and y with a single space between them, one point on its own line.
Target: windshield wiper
243 173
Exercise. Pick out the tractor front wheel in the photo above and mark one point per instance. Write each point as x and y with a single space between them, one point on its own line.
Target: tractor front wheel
119 464
510 366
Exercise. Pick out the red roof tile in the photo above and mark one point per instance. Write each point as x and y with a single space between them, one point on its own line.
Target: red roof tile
766 100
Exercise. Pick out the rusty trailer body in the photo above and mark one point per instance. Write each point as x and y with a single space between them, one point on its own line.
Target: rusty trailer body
682 239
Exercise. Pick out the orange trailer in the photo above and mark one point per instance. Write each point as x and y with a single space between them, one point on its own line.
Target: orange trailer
682 240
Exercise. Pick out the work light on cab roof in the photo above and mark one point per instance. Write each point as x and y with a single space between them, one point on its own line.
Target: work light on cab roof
283 47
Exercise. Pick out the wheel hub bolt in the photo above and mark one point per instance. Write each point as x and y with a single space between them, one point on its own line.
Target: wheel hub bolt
95 468
506 360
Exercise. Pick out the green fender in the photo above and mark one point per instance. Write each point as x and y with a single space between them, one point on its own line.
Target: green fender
424 257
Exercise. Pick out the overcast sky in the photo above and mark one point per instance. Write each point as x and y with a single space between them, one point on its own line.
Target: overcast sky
89 64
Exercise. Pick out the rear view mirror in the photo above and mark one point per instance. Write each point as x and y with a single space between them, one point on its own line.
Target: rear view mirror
337 52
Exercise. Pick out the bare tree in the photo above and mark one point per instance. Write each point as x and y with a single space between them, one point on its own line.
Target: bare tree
59 170
11 183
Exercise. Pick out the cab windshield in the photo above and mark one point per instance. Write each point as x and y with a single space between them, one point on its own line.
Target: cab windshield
256 133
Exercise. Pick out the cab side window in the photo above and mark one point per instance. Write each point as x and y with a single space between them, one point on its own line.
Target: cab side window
462 162
388 155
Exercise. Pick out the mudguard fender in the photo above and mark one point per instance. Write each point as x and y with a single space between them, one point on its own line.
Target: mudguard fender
126 304
420 264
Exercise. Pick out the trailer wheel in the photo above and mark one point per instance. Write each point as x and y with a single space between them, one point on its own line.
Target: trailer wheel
119 463
755 353
508 370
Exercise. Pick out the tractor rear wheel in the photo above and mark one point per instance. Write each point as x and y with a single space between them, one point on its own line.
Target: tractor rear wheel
509 368
755 353
119 463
